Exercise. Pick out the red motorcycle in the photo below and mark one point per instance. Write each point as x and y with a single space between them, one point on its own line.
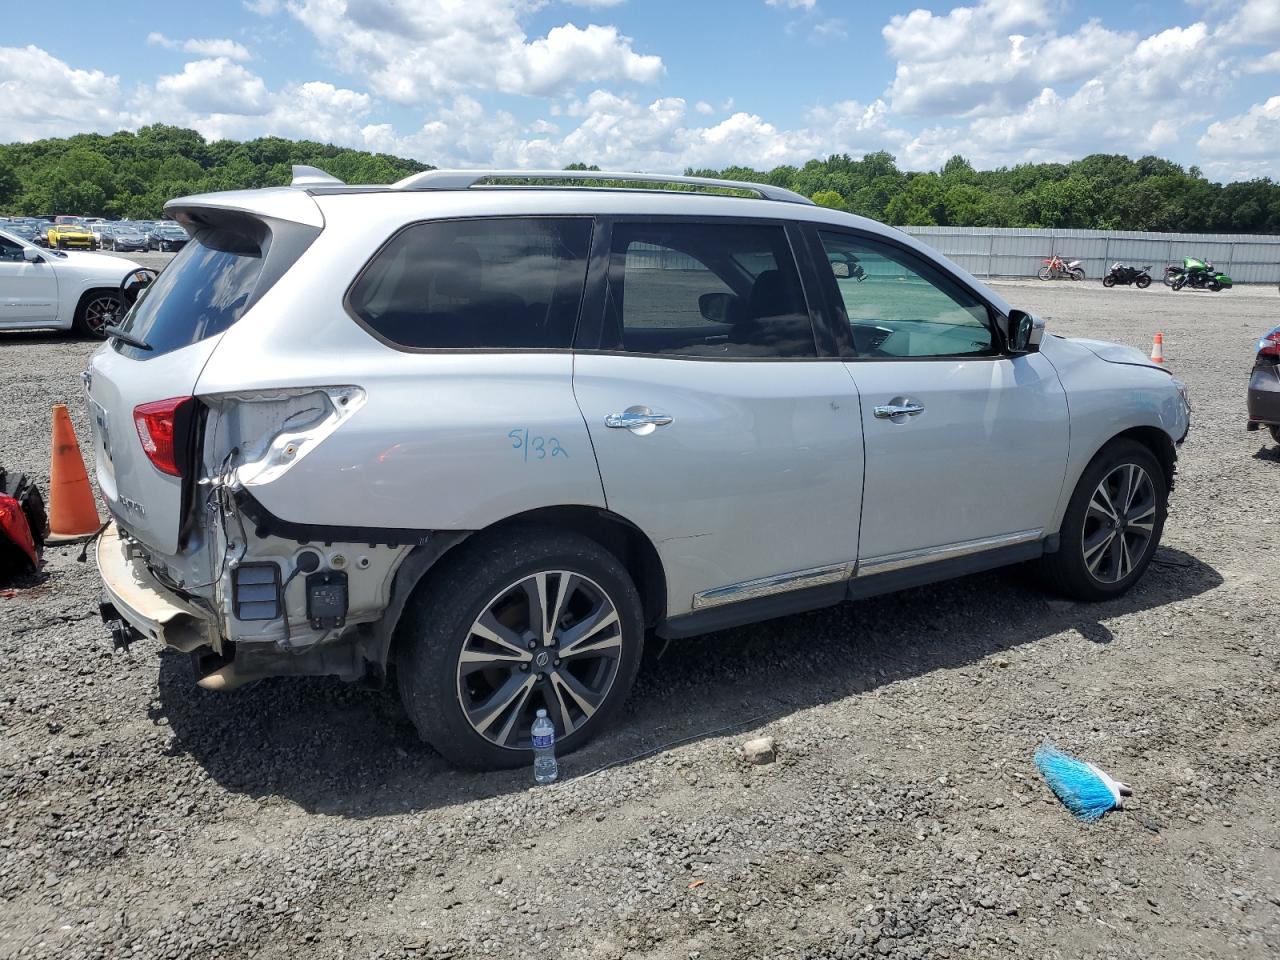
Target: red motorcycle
1059 268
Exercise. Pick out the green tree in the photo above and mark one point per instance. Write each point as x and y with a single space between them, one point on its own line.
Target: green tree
829 198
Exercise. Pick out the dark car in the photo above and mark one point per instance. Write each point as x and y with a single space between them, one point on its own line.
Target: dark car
1264 385
24 231
125 237
166 238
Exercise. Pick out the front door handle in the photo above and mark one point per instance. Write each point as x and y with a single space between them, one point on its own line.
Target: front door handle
898 409
639 420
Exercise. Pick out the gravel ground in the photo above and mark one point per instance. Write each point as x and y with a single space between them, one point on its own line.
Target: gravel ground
143 817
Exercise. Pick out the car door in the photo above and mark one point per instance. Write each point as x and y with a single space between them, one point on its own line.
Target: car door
28 291
966 445
720 428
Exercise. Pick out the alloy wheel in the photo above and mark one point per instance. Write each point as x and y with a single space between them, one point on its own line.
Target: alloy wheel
1119 523
100 313
552 640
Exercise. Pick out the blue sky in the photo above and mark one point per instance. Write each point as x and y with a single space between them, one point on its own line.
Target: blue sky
659 85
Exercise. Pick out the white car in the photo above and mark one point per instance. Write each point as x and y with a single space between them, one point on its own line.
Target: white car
57 289
499 434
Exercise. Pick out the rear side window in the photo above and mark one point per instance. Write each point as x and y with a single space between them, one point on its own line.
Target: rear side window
497 283
202 292
706 289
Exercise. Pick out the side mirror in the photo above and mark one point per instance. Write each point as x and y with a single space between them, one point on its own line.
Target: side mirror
841 269
716 307
32 255
1025 331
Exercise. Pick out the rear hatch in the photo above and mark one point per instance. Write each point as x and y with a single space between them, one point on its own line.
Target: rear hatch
146 424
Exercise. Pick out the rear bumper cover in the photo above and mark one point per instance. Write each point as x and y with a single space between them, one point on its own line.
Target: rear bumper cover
1264 395
147 605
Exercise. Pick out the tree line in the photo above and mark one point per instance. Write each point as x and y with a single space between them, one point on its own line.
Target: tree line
131 175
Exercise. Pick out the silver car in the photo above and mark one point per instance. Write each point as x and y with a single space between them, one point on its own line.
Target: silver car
497 430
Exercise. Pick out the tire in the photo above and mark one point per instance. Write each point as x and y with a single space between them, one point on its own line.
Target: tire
1108 281
1090 563
1043 273
97 309
454 711
1274 430
1169 274
1142 282
1077 273
1179 283
1214 285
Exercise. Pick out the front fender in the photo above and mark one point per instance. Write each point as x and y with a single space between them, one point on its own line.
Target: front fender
1106 399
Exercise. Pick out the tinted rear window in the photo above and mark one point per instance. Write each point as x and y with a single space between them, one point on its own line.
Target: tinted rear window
500 283
202 292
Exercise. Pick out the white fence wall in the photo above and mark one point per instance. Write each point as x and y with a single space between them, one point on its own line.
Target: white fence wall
1018 252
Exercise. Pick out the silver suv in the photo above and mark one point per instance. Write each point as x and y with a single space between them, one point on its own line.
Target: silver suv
496 430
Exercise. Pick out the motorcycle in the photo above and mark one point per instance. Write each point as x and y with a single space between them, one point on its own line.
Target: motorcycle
1196 274
1121 273
1059 268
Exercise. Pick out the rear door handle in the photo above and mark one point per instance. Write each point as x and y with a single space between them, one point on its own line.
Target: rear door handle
904 408
631 419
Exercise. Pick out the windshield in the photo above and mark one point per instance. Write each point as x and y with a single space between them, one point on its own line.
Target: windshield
201 293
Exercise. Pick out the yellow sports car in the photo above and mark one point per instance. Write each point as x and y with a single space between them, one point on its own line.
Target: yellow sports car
69 232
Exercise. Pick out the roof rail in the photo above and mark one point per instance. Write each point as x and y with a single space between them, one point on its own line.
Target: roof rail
304 176
465 179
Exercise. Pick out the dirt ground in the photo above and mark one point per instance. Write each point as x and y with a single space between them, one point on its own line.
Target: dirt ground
143 817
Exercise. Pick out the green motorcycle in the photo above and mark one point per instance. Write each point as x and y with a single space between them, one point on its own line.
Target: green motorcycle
1197 274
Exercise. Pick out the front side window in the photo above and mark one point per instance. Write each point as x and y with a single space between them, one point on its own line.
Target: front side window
718 290
10 249
899 306
500 283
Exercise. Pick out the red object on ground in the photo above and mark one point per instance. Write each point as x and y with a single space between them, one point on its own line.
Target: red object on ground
14 526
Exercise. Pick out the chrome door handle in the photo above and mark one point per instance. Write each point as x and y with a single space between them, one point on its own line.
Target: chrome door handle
630 419
898 409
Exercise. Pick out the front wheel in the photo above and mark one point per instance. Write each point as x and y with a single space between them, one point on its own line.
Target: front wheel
1108 281
1112 525
523 619
1179 283
1143 281
1044 273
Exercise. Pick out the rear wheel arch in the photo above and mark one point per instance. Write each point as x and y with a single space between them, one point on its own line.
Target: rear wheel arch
611 531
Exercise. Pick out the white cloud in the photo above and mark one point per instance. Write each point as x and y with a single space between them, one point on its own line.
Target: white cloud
217 85
212 47
1269 63
793 4
42 96
412 53
1253 134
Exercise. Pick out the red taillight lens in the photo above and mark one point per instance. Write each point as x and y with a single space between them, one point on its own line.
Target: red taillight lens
1269 346
157 425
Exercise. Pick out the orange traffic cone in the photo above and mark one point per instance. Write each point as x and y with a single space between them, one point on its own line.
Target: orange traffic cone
1157 349
72 514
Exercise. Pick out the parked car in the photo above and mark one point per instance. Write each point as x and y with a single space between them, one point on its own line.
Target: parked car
167 238
125 237
42 289
23 230
69 233
1264 385
496 435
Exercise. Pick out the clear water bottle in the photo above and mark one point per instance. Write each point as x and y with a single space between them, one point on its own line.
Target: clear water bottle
545 768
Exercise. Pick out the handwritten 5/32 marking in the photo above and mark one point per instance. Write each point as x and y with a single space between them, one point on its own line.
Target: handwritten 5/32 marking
538 447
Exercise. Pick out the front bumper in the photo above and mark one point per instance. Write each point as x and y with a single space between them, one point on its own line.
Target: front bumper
1264 395
147 605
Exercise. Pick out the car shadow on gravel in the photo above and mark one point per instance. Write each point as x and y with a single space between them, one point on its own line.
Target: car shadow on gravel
341 750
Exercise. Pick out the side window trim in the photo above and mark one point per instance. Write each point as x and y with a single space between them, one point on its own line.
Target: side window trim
593 333
840 316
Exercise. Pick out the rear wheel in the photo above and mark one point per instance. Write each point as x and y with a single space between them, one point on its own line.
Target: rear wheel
1214 285
524 619
97 311
1112 526
1169 274
1077 273
1275 432
1143 281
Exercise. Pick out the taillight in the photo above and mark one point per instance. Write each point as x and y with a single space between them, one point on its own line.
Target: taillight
1269 346
160 425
